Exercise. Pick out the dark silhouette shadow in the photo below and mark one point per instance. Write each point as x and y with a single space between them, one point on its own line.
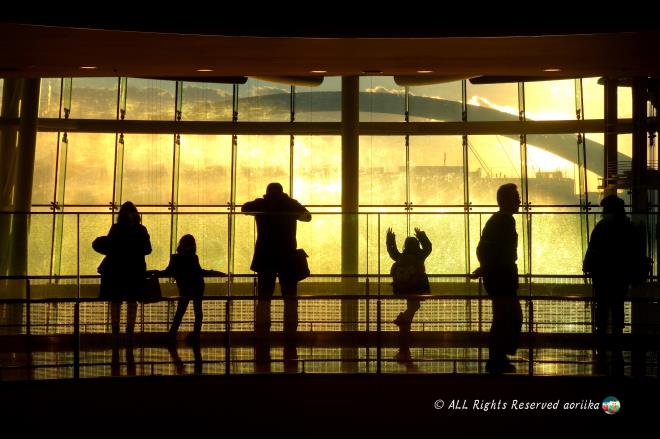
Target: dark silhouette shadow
403 355
189 275
123 270
179 365
198 365
408 272
614 260
130 362
115 362
115 366
262 358
173 349
290 355
497 254
275 255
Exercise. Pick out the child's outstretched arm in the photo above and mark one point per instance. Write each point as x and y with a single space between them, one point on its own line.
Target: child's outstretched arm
390 242
424 241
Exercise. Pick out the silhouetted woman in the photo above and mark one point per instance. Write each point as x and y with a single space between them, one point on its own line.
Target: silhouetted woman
189 275
408 271
123 270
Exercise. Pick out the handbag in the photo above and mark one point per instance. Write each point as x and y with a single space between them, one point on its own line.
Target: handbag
152 291
300 266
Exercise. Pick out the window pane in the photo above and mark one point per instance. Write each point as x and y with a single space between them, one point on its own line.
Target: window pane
320 239
204 101
147 174
317 170
91 226
556 243
492 162
43 182
439 102
89 168
382 170
624 102
595 153
492 102
150 99
49 97
550 100
39 242
264 101
553 175
319 104
205 170
159 225
436 170
246 235
94 98
261 160
381 100
594 98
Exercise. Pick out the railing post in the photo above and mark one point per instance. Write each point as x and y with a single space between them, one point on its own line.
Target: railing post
227 336
76 310
530 353
28 314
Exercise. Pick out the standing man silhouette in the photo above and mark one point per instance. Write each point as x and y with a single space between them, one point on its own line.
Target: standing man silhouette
276 215
615 253
497 254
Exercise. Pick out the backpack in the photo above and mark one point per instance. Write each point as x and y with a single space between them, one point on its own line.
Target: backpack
408 275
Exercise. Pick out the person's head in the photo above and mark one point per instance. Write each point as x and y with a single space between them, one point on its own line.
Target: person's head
411 245
613 205
508 198
187 245
274 190
128 214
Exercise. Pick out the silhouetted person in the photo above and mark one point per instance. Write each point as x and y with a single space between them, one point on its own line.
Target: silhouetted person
614 254
497 254
408 272
123 270
189 275
276 215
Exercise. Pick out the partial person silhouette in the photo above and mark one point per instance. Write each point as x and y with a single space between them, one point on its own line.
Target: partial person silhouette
123 270
189 275
115 363
408 272
276 216
179 366
497 254
614 258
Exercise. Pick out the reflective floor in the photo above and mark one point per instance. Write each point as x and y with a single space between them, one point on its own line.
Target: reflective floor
54 358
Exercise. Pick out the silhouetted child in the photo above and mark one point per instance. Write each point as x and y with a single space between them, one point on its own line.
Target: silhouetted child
408 272
184 267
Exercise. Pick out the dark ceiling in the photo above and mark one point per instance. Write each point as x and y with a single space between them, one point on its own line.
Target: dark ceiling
143 50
